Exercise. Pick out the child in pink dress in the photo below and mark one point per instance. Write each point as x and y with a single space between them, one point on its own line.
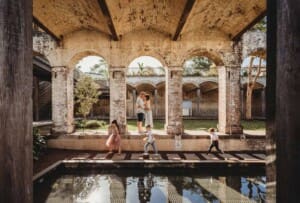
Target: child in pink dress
114 140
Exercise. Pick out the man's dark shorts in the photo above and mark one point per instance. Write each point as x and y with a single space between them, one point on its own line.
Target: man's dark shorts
140 117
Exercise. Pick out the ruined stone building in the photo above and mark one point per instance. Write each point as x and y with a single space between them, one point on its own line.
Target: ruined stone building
170 31
199 94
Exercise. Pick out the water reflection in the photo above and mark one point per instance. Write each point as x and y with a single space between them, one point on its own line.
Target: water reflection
105 188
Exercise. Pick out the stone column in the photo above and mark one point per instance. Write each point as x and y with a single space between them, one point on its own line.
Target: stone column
174 101
198 101
263 103
117 86
155 103
16 101
229 95
62 100
35 98
133 101
242 103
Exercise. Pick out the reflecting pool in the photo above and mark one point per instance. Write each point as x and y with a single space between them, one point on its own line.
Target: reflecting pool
149 186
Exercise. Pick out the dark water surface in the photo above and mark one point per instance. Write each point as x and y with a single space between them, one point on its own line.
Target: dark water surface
155 186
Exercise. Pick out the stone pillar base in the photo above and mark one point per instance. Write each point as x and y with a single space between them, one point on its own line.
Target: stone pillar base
234 129
123 129
174 129
60 130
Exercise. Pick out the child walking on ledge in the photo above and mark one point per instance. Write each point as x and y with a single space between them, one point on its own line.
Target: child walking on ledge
214 139
149 140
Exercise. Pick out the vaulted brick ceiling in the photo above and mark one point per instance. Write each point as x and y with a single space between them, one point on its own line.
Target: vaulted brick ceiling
173 18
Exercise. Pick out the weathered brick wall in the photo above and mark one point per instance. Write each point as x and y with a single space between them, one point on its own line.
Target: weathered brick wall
117 85
229 91
62 99
174 101
119 54
254 42
43 43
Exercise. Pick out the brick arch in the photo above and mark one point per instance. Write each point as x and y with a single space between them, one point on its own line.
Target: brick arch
74 59
190 84
138 86
133 56
208 85
144 82
215 57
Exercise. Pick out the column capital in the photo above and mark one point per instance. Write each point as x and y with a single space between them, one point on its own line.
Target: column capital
56 69
175 68
117 68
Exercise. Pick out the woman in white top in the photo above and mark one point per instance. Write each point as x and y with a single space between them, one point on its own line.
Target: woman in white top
148 112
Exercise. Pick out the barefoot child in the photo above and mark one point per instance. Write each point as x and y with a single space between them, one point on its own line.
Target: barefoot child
149 140
214 139
114 140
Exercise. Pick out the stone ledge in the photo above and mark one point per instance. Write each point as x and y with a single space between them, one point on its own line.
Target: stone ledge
139 137
166 144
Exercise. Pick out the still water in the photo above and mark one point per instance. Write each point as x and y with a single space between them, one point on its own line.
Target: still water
135 186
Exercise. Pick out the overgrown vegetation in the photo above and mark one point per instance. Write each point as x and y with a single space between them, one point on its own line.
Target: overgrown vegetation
39 144
143 70
86 94
261 25
90 124
200 66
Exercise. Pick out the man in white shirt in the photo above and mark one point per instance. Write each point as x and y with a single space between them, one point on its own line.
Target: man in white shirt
140 105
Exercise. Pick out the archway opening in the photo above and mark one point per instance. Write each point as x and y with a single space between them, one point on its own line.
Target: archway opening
253 79
146 74
42 91
200 93
96 68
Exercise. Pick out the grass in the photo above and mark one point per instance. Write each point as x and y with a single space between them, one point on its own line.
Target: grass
197 124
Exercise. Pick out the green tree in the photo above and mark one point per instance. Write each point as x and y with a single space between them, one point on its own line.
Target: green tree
197 66
252 72
101 68
86 94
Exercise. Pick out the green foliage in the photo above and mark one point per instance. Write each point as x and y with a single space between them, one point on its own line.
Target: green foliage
39 144
201 124
261 25
143 70
199 66
86 94
90 124
101 68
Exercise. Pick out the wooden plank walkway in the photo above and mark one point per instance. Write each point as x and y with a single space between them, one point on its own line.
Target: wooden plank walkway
173 157
247 157
136 159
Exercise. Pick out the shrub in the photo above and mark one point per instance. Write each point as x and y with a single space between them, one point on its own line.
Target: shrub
39 144
90 124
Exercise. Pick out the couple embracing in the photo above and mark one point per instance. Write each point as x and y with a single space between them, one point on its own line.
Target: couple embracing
144 111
